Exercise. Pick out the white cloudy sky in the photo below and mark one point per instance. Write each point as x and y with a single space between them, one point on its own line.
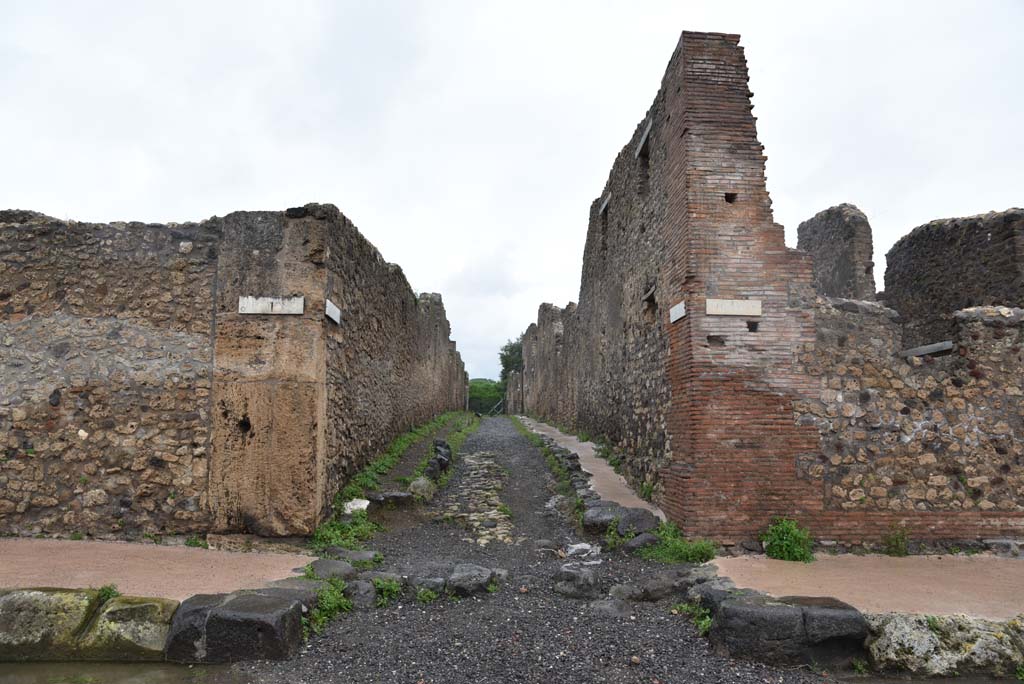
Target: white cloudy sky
467 139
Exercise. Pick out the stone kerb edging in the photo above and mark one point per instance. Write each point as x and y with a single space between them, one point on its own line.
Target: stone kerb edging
248 624
597 513
791 630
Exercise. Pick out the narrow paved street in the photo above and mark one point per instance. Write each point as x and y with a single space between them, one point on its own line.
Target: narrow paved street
524 631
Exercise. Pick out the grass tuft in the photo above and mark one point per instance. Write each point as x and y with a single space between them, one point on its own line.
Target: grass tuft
387 590
673 548
330 601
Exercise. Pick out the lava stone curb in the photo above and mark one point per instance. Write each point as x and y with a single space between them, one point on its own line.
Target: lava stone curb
599 514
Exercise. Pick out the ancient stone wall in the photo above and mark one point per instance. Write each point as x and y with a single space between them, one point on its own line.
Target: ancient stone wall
932 443
951 264
135 398
105 385
839 242
700 348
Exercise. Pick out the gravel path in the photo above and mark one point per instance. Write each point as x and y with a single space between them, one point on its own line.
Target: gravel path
524 632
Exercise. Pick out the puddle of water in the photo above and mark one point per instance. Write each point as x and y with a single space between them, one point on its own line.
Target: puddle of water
114 673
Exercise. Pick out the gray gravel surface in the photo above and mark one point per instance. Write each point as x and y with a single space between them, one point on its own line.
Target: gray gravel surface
511 635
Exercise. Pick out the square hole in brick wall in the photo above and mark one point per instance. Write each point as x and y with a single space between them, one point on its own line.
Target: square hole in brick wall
751 326
730 197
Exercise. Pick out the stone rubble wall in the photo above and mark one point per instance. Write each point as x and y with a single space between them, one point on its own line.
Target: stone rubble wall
952 264
106 356
931 434
134 398
839 241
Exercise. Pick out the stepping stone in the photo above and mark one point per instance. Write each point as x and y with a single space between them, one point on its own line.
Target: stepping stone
640 541
576 581
350 556
327 569
468 579
362 594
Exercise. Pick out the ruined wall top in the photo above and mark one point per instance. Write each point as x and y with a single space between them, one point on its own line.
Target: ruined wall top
839 241
951 264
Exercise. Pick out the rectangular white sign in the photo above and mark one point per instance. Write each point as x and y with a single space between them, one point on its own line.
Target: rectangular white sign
271 305
333 312
676 312
734 307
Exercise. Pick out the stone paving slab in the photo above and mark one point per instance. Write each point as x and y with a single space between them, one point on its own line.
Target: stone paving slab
172 572
981 586
606 482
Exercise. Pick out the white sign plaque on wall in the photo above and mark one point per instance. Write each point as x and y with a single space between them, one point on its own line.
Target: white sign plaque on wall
734 307
333 312
271 305
676 312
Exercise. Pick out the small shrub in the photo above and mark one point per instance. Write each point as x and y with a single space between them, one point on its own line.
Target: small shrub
426 596
196 542
77 536
106 592
1020 673
330 601
673 548
387 590
647 491
700 616
492 586
894 543
786 540
860 666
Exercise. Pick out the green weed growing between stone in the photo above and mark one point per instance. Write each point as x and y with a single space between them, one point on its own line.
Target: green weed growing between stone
894 543
387 590
860 666
77 536
196 542
700 615
330 601
106 592
1020 673
786 540
673 548
426 596
347 533
612 538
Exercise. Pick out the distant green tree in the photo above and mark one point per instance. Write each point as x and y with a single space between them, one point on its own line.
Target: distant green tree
511 356
484 394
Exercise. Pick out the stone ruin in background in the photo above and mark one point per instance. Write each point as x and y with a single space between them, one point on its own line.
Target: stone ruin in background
745 380
225 376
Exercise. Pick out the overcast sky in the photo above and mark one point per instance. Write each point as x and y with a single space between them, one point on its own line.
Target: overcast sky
467 139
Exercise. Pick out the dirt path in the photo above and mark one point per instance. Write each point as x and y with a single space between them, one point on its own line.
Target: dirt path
524 632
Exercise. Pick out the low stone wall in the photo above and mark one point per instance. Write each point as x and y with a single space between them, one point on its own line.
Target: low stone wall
137 398
952 264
